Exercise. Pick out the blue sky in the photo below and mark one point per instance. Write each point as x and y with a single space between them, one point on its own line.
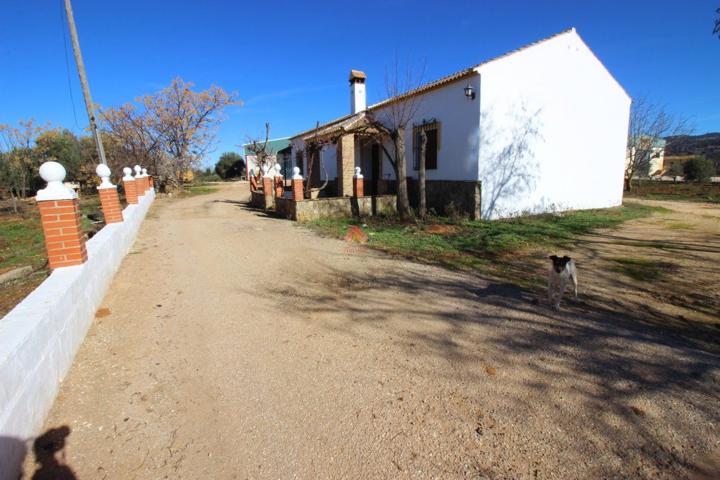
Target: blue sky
289 61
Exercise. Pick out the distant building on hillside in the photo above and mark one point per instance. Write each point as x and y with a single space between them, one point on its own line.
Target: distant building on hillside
655 149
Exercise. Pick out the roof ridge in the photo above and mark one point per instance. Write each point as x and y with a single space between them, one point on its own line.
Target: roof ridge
269 140
453 77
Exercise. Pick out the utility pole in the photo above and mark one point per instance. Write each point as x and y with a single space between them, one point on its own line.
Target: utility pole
84 82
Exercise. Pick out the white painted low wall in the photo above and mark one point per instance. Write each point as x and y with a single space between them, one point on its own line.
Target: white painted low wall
40 337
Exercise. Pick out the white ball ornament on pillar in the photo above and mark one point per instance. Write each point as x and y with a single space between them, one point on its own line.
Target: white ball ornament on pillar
54 174
296 174
103 171
144 172
128 174
277 170
138 171
358 174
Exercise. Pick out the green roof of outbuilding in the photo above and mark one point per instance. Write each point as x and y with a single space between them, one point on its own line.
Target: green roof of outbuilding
274 146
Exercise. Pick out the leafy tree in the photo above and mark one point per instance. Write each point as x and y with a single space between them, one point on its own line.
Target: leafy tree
62 146
676 170
230 165
699 169
20 159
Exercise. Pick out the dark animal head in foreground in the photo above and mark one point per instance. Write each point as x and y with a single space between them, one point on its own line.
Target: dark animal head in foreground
559 263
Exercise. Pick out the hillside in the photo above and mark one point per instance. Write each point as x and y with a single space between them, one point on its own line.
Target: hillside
707 144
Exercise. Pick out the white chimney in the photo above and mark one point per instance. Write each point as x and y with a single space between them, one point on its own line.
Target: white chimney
357 91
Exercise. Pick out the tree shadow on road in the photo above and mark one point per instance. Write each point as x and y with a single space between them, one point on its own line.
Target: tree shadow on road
625 374
245 206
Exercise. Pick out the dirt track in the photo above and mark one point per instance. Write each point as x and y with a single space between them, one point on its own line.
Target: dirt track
240 346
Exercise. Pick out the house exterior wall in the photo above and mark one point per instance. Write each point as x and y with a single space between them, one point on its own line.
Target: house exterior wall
458 141
553 131
251 163
328 160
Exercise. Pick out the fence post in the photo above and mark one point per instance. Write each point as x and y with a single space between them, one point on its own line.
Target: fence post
109 199
297 185
130 185
357 183
268 188
139 181
146 179
60 218
279 182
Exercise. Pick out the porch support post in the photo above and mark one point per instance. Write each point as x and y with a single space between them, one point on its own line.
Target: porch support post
345 165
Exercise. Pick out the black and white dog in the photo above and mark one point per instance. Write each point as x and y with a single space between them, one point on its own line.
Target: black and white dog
562 270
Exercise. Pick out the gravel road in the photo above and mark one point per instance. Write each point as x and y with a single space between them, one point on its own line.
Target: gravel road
235 345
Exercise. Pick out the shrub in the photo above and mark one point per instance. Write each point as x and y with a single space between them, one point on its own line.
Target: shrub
699 169
208 177
676 170
230 165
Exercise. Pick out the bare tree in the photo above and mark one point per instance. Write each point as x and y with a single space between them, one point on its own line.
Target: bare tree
650 125
171 129
264 155
391 123
393 120
716 30
422 208
186 122
131 139
313 149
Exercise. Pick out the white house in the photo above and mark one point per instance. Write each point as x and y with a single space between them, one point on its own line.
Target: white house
542 128
277 150
647 156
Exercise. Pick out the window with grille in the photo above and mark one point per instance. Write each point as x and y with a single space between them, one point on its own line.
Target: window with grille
432 131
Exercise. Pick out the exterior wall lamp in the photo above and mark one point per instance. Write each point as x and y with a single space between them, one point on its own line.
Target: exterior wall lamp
469 92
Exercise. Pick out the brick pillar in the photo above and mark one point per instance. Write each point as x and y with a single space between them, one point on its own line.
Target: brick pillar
358 183
345 164
60 218
109 198
130 187
139 181
297 185
146 179
268 191
279 186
